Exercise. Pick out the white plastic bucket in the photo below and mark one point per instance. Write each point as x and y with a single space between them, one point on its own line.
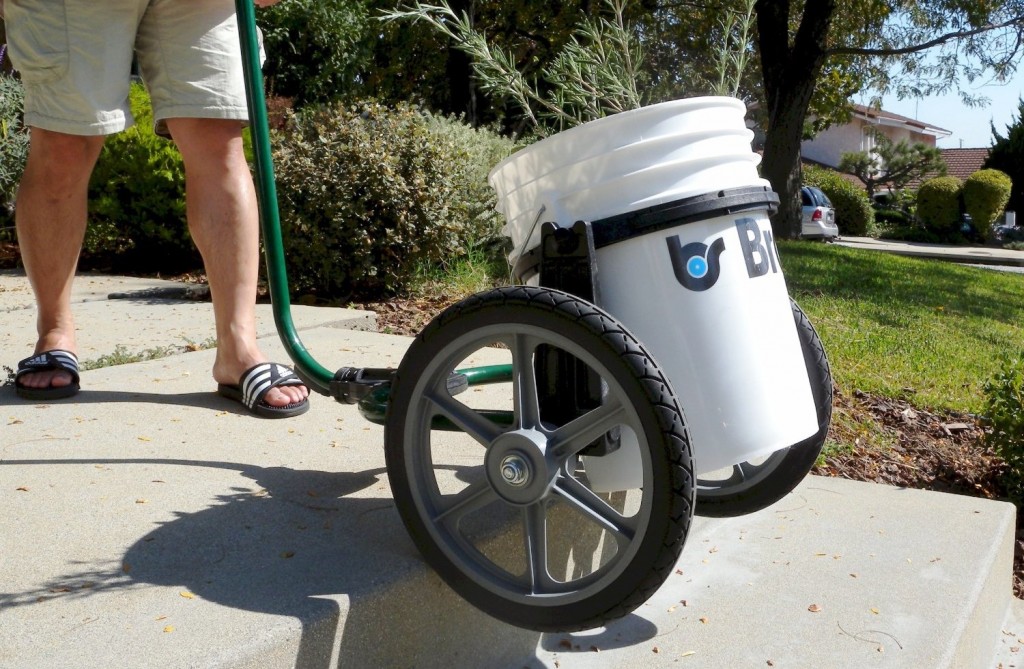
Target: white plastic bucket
621 163
703 291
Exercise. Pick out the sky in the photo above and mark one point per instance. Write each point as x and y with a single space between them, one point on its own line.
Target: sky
970 127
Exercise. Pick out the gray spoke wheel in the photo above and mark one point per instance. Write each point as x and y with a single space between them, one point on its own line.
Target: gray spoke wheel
506 514
751 486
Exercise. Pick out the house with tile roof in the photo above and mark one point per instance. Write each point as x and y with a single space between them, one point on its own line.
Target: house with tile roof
828 147
962 163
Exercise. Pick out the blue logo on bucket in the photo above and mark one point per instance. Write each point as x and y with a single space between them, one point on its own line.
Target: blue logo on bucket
697 265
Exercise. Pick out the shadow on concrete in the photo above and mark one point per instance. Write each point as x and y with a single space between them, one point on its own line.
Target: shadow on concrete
208 400
302 546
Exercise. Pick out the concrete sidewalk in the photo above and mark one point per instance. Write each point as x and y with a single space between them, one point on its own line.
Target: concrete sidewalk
151 523
975 255
138 319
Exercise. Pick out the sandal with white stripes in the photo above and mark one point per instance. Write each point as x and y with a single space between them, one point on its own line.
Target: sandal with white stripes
254 385
53 360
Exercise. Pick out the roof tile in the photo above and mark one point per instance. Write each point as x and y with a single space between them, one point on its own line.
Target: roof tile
962 163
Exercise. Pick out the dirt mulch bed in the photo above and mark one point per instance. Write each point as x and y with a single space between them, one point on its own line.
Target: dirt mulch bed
933 451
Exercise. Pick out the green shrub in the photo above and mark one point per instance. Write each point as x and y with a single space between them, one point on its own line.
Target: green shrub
136 200
854 214
13 145
316 49
938 206
369 195
892 218
986 193
912 233
484 149
1004 409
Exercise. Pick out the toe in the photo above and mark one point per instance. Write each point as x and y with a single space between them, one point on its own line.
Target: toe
49 379
285 396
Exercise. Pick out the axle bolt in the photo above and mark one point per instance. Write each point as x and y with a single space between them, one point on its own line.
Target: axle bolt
515 471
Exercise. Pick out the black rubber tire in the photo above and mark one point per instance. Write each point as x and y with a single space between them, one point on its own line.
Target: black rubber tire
653 548
784 470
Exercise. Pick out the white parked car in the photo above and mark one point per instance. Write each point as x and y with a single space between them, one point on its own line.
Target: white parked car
819 217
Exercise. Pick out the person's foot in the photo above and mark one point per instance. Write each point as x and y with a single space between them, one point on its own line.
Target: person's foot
254 385
50 378
228 374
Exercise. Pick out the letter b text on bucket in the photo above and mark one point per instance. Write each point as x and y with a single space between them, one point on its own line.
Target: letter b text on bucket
758 255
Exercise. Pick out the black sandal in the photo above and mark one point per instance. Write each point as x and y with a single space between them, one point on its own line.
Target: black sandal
53 360
254 385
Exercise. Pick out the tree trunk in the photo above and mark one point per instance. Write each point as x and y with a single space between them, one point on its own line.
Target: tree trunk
781 166
459 72
790 73
5 66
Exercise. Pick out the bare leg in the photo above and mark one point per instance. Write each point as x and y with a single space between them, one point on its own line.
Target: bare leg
224 222
50 218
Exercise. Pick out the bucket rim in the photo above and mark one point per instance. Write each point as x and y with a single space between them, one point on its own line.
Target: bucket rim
688 139
684 104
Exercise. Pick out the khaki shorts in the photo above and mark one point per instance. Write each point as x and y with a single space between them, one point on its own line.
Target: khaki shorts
75 59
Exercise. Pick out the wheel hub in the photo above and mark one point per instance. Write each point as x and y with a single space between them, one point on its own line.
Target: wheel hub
515 470
518 467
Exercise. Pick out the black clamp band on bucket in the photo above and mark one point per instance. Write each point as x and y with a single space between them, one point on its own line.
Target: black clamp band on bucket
621 227
618 228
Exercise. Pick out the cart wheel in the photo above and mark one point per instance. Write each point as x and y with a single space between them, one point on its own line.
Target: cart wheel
752 486
504 512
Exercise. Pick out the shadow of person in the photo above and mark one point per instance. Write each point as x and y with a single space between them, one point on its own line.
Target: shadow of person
326 551
202 400
309 546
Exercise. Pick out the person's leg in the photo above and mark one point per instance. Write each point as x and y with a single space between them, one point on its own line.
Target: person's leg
50 219
224 222
74 65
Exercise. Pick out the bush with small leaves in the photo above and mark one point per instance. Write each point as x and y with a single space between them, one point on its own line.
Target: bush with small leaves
986 193
938 206
1004 413
854 213
484 149
136 200
13 145
369 195
892 218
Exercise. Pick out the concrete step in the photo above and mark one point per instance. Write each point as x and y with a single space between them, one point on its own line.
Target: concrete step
151 523
838 574
1010 649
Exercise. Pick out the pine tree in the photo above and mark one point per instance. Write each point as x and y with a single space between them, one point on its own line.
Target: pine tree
1007 155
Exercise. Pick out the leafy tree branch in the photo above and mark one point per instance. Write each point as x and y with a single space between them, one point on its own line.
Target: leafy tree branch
1017 21
597 72
892 164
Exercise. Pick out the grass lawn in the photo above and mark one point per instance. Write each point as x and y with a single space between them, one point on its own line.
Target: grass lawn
930 331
